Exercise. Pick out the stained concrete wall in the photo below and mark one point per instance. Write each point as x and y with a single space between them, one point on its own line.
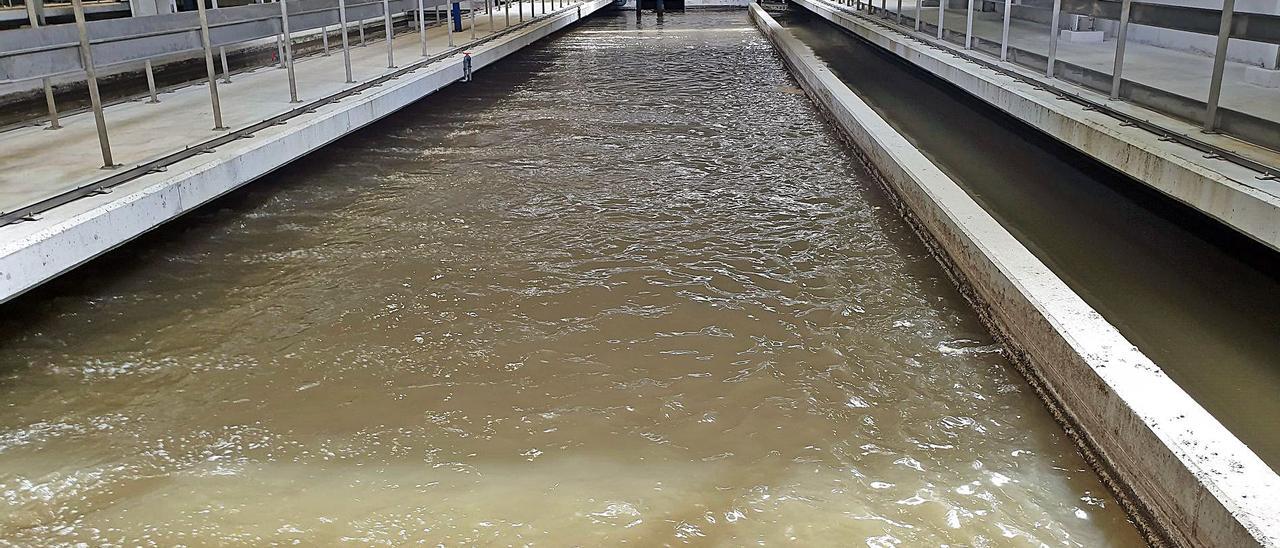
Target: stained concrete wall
1181 474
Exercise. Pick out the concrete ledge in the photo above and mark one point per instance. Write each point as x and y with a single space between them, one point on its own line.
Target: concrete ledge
1186 480
71 234
1229 193
1258 76
1082 36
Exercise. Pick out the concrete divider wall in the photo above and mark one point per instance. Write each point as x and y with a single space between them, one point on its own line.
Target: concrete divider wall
1183 477
69 235
1229 193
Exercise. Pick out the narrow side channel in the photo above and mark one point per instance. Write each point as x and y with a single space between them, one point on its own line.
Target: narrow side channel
1188 478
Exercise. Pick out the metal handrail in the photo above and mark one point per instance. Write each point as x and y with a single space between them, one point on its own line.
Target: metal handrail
54 53
160 164
1257 27
1265 172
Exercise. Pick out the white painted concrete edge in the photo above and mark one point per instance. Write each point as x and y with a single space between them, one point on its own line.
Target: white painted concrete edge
33 252
1181 472
1230 193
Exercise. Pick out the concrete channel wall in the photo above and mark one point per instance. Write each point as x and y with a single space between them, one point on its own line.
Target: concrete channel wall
1232 194
1185 479
73 233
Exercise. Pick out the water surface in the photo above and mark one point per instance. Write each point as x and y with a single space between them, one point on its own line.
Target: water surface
1200 300
626 287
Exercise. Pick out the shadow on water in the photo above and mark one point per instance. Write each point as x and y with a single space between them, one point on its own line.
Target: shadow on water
1200 300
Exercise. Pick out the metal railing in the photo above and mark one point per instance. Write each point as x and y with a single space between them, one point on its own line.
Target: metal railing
222 136
1224 24
85 47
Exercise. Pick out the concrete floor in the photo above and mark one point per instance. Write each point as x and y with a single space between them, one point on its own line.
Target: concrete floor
40 163
1179 72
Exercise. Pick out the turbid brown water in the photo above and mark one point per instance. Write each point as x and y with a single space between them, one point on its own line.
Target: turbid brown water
624 287
1200 300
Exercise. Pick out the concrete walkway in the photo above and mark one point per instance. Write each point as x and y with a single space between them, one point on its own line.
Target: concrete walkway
1178 72
40 163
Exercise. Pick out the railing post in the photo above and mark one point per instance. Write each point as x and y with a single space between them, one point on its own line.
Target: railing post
208 66
279 44
942 5
488 7
1219 65
346 48
360 24
506 10
918 3
222 52
1004 32
151 82
91 78
449 24
422 27
899 16
35 13
1053 37
386 27
288 51
1121 35
34 19
471 7
968 26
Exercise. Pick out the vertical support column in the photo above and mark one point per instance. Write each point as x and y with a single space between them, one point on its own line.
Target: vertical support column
918 2
1004 32
288 50
449 25
1053 37
1219 64
222 53
1121 35
422 27
35 13
968 25
899 21
91 77
35 19
942 6
151 82
360 24
279 44
386 27
208 66
471 6
346 48
324 39
883 10
488 7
